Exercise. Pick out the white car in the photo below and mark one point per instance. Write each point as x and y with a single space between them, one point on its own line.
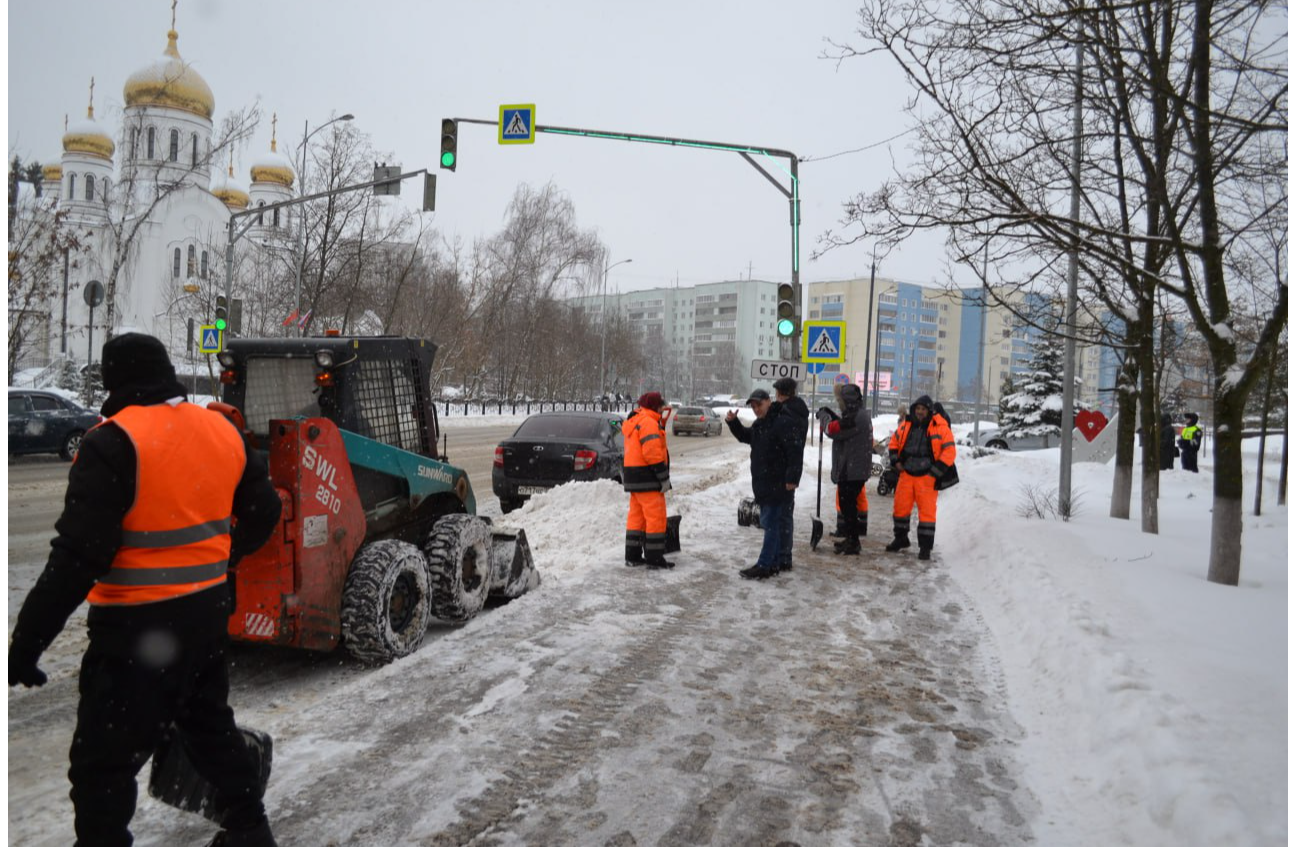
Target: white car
996 440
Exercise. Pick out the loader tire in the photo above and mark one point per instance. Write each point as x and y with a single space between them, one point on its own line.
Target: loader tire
458 553
386 603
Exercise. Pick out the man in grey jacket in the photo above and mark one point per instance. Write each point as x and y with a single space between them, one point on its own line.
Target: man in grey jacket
852 456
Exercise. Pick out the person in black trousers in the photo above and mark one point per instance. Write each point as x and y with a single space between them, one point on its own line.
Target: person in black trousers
1166 444
163 500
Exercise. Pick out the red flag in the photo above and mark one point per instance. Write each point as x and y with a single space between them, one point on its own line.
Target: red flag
302 322
289 320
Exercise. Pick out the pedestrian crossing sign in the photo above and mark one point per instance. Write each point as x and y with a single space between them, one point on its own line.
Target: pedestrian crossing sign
824 341
516 124
210 339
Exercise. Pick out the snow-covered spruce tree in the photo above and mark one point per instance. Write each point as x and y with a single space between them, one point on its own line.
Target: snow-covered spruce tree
1034 408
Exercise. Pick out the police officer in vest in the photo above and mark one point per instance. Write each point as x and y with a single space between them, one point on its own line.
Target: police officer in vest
162 500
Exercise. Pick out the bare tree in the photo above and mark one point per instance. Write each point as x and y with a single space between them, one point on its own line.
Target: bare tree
41 240
1185 116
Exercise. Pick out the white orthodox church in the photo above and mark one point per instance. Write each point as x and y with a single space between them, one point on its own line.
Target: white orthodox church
156 170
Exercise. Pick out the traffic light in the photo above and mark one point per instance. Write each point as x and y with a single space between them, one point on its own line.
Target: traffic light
448 158
220 323
788 308
431 188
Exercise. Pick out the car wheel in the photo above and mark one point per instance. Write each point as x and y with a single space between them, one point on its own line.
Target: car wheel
509 505
998 445
457 552
71 445
385 607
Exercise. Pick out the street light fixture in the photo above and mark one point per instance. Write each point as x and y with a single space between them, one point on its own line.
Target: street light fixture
302 212
604 275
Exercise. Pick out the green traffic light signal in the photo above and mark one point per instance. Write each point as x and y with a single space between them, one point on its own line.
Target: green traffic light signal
448 145
220 323
786 327
449 159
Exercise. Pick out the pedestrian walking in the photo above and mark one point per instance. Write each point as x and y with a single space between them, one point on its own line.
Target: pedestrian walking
791 405
1166 443
776 460
922 450
646 479
163 501
852 457
1191 441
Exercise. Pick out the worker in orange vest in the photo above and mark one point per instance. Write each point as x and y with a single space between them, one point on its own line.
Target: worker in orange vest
162 501
922 450
646 479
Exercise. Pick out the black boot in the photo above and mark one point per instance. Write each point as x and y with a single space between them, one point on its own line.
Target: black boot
924 553
259 836
633 556
756 572
901 542
659 562
848 547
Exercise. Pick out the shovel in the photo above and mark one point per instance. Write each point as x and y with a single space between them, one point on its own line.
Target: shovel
818 503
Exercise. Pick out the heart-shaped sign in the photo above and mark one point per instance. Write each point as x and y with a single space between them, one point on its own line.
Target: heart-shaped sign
1090 423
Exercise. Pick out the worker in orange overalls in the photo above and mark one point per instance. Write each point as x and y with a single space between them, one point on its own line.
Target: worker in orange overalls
922 450
162 500
646 479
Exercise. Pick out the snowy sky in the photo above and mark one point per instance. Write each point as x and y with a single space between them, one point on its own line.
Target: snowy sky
731 71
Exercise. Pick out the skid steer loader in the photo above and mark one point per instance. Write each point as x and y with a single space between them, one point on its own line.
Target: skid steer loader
378 530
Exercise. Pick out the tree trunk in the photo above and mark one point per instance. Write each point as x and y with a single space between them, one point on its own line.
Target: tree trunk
1265 420
1127 397
1148 420
1227 490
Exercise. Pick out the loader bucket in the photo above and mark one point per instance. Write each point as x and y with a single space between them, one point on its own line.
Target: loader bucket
513 570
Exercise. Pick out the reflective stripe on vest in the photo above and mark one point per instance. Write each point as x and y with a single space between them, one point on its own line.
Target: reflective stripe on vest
176 535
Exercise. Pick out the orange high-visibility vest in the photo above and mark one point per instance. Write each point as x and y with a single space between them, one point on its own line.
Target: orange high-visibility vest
646 455
176 535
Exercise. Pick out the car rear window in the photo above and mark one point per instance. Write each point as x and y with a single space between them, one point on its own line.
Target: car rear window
561 426
691 410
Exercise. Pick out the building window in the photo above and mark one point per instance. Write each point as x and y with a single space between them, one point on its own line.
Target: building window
72 186
194 148
90 187
261 203
135 142
203 264
275 217
149 143
190 265
176 263
173 145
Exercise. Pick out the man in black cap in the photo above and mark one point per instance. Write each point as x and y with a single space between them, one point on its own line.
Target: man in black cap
162 501
796 409
776 460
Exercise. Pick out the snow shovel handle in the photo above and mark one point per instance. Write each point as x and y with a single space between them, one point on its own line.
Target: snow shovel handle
818 503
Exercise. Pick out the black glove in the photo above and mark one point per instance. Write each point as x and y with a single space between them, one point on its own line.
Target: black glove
938 469
22 668
826 415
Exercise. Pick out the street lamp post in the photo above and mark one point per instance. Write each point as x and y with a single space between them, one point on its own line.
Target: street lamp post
302 212
604 275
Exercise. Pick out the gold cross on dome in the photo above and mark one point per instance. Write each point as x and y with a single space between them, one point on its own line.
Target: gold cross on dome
273 127
173 14
90 106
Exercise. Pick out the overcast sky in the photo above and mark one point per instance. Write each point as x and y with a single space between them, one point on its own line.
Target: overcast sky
740 71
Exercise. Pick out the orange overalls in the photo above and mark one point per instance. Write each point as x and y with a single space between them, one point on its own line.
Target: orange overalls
176 536
646 471
918 486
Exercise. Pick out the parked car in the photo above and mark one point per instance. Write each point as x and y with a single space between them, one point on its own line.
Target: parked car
45 422
553 448
693 419
997 440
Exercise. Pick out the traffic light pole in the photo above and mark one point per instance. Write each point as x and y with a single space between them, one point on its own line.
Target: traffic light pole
233 234
747 152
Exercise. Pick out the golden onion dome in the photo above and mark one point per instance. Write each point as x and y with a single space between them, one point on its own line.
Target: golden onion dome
52 173
272 167
170 82
88 137
229 193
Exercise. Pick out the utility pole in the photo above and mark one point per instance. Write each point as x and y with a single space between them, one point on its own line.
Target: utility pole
1073 270
868 342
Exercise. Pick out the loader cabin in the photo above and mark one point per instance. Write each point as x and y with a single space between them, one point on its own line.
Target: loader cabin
376 387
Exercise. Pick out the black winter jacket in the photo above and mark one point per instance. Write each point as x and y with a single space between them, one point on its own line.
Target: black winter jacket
776 454
101 490
799 412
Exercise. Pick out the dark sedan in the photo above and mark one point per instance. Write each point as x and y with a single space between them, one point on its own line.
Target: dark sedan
553 448
45 422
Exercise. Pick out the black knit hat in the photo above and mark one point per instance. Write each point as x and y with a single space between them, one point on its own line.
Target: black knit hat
924 400
135 359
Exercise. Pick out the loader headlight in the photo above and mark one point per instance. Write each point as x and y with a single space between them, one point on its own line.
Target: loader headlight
226 359
325 359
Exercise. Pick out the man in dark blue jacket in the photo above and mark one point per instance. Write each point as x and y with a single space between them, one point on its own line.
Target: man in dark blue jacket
776 459
798 411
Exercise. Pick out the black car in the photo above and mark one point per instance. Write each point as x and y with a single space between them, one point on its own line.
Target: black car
45 422
553 448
